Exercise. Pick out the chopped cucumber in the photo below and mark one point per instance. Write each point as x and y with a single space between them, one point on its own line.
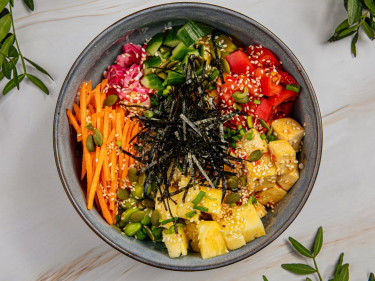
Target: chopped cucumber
154 61
170 37
191 32
174 78
180 51
152 81
188 54
165 51
154 44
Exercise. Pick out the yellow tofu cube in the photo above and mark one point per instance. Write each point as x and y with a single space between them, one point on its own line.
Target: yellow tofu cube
176 244
248 146
165 214
183 208
260 209
211 240
192 236
286 181
241 225
290 130
261 174
283 155
271 196
212 200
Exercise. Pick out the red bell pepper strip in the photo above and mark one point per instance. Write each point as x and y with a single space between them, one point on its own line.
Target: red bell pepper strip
284 96
264 110
287 78
239 62
266 57
269 88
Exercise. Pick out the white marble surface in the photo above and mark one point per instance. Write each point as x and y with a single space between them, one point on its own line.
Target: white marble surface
43 238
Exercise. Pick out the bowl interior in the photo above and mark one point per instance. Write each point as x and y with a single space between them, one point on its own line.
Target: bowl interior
136 28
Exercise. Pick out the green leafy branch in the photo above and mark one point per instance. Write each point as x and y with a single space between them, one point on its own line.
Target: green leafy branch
361 16
341 270
10 52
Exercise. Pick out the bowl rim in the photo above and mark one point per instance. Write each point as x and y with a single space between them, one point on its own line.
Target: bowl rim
271 238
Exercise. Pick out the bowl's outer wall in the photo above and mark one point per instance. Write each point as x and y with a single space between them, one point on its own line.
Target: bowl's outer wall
135 28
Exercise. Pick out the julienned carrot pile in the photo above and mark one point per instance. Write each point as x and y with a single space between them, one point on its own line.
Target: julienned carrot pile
100 128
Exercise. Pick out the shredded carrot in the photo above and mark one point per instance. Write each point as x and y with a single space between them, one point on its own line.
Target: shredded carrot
106 213
95 181
77 112
73 121
82 102
83 173
112 194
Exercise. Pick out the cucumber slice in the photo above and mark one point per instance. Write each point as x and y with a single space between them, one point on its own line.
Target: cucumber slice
165 51
152 81
154 61
174 78
170 37
180 51
191 32
154 44
194 52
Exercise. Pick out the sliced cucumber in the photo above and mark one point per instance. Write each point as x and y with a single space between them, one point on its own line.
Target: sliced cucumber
180 51
189 53
191 32
165 51
170 37
153 61
154 44
152 81
174 78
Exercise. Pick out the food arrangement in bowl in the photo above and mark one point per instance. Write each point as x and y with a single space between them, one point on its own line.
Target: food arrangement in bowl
188 140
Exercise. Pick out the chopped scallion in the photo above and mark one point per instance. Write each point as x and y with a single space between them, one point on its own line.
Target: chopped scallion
256 101
190 214
293 87
198 198
263 136
200 208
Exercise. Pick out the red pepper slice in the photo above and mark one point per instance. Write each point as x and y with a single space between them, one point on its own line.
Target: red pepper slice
284 96
239 62
266 57
287 78
269 88
264 110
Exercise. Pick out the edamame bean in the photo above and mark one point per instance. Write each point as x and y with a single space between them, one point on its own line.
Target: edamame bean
140 235
129 203
132 228
137 191
126 215
146 219
156 231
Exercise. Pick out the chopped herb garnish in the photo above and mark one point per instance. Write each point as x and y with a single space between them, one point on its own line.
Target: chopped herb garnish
253 199
200 208
249 136
271 138
256 101
118 143
210 198
263 136
190 214
293 87
164 222
199 197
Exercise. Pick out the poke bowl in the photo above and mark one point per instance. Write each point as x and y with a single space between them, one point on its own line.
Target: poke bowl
99 204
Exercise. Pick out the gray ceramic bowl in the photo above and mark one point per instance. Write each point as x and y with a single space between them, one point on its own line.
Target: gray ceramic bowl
135 28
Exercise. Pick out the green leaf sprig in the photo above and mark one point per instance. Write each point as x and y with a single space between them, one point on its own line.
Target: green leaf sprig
341 271
361 15
10 52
